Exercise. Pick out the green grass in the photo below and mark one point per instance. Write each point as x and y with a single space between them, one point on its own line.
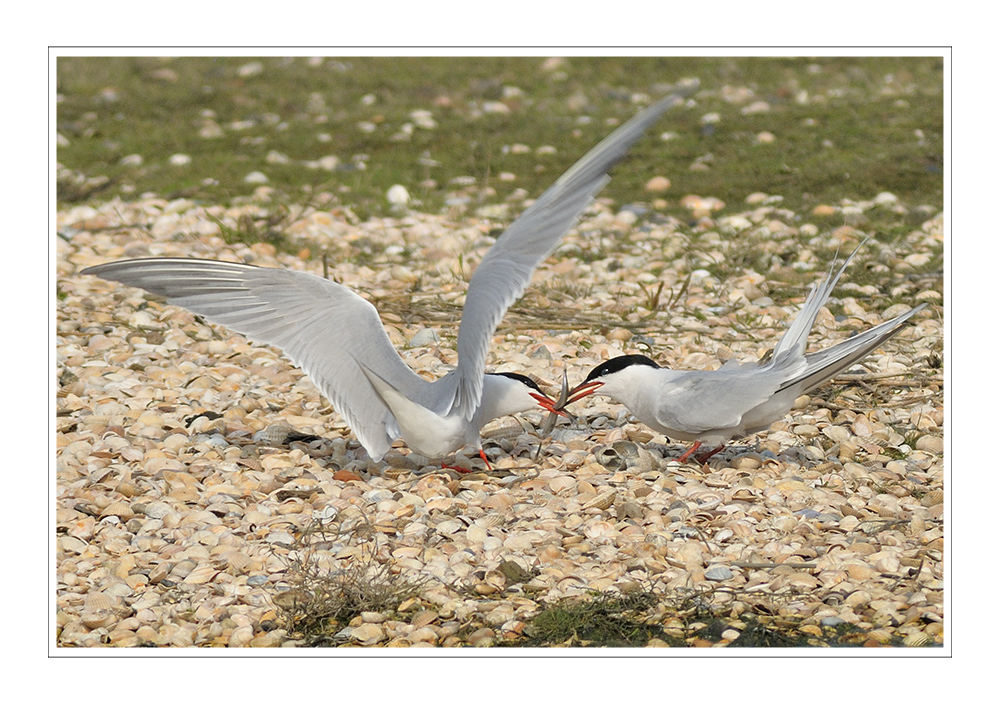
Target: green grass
614 619
604 620
855 136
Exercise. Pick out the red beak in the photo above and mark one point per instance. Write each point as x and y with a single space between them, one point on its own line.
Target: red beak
549 405
582 391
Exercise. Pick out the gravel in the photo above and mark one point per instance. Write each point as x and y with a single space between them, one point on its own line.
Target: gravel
176 527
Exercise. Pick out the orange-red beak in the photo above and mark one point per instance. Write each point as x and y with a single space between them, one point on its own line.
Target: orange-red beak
549 405
581 391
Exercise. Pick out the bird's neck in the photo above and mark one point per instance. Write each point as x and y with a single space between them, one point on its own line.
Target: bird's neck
502 396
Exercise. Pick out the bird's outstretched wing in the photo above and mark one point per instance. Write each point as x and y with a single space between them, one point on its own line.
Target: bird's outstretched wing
506 270
320 325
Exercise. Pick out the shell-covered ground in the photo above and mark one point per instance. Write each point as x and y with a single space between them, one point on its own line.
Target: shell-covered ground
179 523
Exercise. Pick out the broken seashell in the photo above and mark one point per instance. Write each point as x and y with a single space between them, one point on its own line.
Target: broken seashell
122 509
491 520
601 502
610 459
241 637
932 498
917 640
506 428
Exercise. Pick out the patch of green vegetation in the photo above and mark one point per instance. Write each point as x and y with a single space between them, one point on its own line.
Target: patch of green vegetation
613 619
606 619
271 220
747 323
251 229
844 127
73 187
756 634
893 453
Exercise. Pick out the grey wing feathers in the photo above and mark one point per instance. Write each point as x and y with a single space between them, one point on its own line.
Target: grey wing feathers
719 399
615 146
506 269
795 338
304 315
825 364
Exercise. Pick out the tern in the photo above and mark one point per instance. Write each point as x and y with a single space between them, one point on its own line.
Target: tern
338 340
738 399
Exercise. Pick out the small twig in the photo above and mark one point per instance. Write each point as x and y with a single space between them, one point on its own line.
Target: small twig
708 545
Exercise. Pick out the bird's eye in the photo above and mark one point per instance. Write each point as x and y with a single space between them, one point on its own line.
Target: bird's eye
597 372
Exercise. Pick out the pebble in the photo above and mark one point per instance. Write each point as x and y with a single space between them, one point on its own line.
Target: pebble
397 196
423 337
756 107
658 184
719 574
495 107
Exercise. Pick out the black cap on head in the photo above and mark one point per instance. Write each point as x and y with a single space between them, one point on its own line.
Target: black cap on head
619 363
527 381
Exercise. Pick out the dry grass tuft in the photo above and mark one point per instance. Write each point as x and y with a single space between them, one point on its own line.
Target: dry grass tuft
321 599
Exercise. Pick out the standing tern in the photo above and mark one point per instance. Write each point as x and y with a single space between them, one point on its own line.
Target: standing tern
337 338
736 400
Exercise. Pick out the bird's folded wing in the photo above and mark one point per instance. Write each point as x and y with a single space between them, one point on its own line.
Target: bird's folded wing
318 324
699 402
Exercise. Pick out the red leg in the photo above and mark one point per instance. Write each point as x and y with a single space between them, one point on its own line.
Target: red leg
489 467
462 470
684 457
704 456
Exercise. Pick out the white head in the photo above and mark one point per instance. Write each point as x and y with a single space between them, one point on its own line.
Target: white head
618 378
505 393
